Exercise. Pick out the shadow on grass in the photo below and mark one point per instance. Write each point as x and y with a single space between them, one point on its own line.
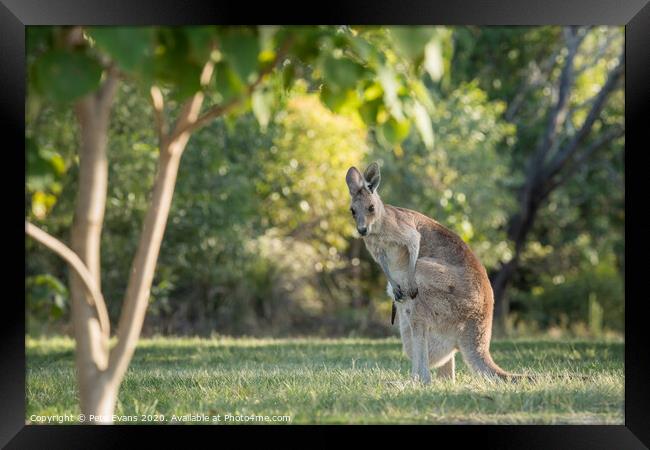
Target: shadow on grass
536 357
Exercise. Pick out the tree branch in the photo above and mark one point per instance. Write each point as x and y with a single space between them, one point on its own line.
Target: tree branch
159 115
188 117
602 50
558 113
535 170
542 74
602 141
565 153
78 266
143 267
218 110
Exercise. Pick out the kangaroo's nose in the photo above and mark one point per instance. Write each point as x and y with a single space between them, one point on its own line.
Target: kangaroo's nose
362 231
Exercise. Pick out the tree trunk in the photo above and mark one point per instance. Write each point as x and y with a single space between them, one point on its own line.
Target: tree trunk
91 343
520 227
98 404
499 286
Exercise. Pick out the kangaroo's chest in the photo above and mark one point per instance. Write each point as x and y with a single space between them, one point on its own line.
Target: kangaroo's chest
396 254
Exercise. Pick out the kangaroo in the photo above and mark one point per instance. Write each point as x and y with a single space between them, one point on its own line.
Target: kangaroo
440 290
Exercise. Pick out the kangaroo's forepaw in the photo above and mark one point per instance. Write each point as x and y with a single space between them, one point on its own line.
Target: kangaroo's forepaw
413 291
397 293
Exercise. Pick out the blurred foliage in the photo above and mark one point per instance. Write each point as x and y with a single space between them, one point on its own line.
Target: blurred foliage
259 239
47 299
577 298
375 70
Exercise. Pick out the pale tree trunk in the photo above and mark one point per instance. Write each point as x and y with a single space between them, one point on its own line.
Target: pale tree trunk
96 395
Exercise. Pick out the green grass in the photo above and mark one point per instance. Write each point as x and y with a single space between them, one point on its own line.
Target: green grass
340 381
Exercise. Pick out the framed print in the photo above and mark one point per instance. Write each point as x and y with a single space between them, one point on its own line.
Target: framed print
404 214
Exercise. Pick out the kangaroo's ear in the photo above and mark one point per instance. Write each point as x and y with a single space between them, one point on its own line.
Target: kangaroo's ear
354 180
372 176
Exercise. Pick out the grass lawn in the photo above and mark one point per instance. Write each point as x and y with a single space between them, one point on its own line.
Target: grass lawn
339 381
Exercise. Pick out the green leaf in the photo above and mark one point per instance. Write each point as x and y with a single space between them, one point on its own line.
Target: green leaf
37 38
130 47
390 85
422 94
65 76
372 101
394 132
241 51
42 202
200 42
410 41
423 124
364 49
40 175
334 100
288 75
340 74
372 92
305 41
369 109
48 294
267 36
49 282
433 61
227 83
173 64
187 81
262 104
44 167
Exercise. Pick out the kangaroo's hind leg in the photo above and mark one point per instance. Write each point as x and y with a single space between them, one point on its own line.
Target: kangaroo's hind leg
442 350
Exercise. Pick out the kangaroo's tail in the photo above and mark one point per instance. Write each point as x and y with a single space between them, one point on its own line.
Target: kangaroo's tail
480 361
478 358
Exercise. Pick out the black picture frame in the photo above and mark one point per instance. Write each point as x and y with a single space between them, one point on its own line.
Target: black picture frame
633 14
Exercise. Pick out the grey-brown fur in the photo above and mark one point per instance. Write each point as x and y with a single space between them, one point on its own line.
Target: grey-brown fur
444 298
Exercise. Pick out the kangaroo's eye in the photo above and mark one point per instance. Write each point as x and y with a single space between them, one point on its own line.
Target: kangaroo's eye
371 208
352 211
